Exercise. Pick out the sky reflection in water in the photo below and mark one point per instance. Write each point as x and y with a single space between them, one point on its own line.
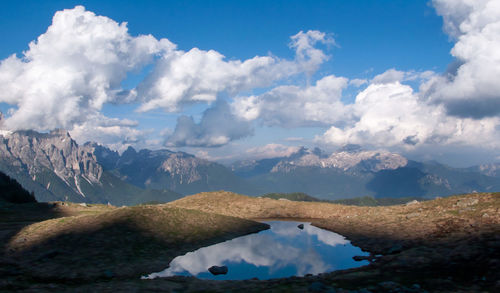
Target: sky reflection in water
282 251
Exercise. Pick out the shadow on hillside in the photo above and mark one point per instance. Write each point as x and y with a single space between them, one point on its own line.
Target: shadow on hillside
14 217
123 248
397 183
446 260
114 250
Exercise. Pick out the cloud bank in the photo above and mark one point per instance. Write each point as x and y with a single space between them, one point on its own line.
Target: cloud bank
79 64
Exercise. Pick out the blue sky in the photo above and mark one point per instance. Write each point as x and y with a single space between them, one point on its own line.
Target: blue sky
371 34
408 41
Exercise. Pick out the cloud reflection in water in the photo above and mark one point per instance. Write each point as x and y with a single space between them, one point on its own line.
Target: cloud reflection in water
284 250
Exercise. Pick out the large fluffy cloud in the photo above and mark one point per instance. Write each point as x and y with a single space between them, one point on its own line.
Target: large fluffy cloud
79 63
471 88
271 150
72 69
114 133
456 109
294 106
183 77
217 127
392 115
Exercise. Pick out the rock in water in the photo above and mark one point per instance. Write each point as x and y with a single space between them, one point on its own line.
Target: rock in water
361 257
216 270
300 226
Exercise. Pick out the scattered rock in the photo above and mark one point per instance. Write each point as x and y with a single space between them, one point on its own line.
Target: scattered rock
465 202
412 215
485 215
216 270
413 202
300 226
83 204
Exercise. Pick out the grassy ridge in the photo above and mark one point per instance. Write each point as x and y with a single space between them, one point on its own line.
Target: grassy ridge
369 201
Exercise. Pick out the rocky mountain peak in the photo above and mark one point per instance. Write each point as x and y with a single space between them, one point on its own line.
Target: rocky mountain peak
346 158
55 151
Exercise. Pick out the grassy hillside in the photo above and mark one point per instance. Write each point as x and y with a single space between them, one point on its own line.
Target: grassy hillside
369 201
444 245
411 222
118 242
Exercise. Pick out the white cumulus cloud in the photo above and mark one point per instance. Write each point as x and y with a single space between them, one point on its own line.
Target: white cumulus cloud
471 88
199 76
271 150
78 65
217 127
293 106
72 69
392 115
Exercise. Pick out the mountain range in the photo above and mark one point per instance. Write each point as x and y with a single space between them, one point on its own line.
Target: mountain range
55 167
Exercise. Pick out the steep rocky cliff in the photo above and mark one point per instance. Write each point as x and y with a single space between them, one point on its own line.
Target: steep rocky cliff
55 167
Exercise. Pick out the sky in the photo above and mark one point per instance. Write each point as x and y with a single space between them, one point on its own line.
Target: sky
230 80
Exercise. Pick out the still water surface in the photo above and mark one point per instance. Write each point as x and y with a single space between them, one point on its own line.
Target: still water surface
282 251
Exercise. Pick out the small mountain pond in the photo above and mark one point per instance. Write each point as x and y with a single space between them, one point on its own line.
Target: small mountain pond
284 250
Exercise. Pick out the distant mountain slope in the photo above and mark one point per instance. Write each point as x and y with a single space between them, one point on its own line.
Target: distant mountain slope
351 172
11 191
177 171
55 167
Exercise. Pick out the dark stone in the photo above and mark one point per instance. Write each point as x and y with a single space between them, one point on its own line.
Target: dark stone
300 226
361 257
216 270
